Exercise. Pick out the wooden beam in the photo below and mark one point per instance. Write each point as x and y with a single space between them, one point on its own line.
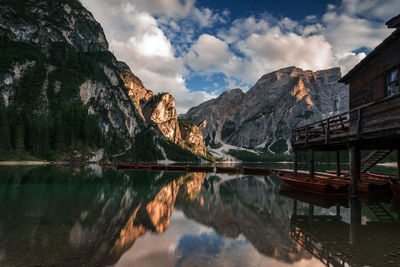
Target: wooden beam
398 162
338 163
311 162
295 162
355 166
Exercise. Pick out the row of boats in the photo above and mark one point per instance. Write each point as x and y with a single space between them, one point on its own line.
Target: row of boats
185 168
327 184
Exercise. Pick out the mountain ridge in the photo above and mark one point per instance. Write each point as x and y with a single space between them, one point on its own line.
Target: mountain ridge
62 90
265 115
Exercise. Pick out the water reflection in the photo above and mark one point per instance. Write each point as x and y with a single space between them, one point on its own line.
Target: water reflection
52 216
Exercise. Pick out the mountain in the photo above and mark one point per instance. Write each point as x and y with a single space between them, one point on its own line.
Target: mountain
63 94
264 116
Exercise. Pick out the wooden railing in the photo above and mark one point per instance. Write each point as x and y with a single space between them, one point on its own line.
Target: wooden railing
380 115
322 130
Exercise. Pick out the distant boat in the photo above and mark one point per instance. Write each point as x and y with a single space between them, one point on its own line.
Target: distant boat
177 168
200 169
158 167
257 171
227 170
316 185
127 166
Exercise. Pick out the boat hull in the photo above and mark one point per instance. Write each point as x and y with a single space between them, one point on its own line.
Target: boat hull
315 186
200 169
227 170
257 171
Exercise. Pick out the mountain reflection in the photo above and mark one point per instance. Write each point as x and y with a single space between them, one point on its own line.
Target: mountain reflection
48 218
248 206
55 216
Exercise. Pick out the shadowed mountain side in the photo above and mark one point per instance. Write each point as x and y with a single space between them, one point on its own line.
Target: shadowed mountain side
247 206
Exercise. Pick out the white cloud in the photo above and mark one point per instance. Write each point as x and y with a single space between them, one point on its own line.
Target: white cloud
136 38
157 39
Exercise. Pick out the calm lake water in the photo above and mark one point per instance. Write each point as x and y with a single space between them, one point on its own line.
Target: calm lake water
88 216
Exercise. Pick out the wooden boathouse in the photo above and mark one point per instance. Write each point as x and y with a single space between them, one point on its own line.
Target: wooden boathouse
373 119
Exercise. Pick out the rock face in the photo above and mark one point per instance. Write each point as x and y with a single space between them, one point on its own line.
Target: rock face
160 110
265 116
64 52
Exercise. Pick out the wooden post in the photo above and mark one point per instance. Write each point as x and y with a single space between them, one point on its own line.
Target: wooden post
337 163
327 130
355 220
355 165
310 216
398 162
295 162
311 160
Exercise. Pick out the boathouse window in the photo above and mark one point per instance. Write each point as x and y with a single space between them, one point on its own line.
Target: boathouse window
393 81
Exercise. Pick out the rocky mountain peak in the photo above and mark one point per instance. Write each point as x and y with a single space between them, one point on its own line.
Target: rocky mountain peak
41 22
56 62
264 116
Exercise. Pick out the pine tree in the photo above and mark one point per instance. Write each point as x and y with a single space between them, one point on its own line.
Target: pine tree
5 143
19 138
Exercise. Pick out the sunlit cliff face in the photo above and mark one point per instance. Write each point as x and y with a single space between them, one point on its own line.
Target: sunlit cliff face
156 214
300 92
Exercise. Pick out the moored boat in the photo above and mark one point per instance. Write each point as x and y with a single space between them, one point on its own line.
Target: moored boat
200 169
227 170
177 168
143 166
107 165
395 186
373 187
316 186
158 167
127 166
257 171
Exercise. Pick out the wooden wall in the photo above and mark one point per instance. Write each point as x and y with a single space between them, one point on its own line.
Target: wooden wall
369 83
383 115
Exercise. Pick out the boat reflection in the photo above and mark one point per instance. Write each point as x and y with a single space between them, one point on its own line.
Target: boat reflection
370 236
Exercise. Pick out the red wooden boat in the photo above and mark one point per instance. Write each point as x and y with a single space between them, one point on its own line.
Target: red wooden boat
127 166
200 169
177 168
227 170
257 171
395 186
316 185
373 187
143 166
107 165
158 167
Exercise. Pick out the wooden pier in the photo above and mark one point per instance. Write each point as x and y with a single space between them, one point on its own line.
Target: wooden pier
373 121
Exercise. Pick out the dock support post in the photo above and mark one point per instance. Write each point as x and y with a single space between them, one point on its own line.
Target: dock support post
337 163
355 220
311 160
295 162
355 165
337 210
398 163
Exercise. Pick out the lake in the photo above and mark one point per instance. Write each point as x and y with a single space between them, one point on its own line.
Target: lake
89 216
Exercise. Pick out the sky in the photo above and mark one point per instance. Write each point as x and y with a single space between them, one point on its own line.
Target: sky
197 49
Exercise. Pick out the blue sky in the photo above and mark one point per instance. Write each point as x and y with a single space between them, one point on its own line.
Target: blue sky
197 49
